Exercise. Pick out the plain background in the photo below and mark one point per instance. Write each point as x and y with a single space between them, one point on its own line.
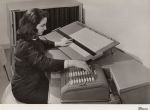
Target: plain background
127 21
74 107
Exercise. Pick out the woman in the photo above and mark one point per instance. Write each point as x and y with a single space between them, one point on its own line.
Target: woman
29 83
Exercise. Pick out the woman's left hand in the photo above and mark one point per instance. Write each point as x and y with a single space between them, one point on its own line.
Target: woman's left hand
64 42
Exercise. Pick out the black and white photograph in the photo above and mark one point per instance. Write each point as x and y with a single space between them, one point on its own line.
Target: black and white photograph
75 52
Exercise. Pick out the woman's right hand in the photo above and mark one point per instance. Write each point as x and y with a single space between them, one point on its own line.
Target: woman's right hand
79 64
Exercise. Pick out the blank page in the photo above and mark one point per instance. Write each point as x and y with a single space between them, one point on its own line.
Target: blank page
91 39
78 49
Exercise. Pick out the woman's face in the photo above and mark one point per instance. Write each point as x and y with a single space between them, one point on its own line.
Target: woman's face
41 27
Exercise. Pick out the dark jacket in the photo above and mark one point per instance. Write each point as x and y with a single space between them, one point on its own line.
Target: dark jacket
29 83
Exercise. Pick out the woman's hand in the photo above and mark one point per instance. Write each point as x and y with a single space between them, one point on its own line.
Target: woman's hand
64 42
78 64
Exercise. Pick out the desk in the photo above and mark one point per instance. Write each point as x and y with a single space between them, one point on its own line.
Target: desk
107 59
54 83
132 81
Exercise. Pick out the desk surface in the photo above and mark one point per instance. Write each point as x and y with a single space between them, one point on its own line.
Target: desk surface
55 89
129 75
107 59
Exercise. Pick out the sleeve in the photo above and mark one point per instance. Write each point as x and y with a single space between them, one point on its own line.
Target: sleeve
44 63
48 44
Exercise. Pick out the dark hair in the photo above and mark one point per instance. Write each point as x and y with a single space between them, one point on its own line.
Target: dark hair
27 24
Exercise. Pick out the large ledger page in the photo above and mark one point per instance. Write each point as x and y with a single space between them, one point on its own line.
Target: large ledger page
90 39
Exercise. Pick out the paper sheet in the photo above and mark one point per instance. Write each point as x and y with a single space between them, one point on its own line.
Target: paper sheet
91 39
78 49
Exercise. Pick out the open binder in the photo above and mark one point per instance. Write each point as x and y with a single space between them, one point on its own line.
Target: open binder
87 43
